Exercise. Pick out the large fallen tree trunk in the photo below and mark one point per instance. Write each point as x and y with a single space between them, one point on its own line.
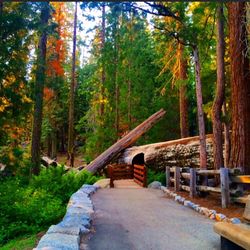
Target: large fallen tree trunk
182 153
129 139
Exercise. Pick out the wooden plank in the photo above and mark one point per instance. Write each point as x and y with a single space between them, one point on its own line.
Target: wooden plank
145 177
208 189
103 159
216 171
225 193
192 183
185 188
138 177
139 167
139 171
138 182
168 183
241 179
177 179
111 176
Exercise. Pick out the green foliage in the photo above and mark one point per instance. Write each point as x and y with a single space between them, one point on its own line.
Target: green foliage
31 207
26 243
153 175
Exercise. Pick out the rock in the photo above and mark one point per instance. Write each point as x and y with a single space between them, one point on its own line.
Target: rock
220 217
212 212
103 183
177 198
187 203
235 220
59 241
72 230
71 220
164 189
88 189
212 216
155 185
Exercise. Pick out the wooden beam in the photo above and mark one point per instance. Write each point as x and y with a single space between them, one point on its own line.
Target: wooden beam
192 183
241 179
225 192
168 182
177 179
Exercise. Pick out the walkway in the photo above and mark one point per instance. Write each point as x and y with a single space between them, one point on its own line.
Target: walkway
143 219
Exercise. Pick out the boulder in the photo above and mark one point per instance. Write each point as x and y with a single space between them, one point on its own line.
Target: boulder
155 185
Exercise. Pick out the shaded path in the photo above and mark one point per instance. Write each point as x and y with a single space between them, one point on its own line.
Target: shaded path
143 219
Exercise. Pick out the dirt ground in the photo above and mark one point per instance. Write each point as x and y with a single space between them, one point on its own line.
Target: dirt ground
213 201
79 162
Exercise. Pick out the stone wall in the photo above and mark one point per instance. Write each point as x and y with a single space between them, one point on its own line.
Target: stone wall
66 234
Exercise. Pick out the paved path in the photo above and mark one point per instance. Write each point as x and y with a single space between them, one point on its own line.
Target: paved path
143 219
127 183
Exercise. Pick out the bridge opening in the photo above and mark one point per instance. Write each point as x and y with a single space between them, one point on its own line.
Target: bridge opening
138 159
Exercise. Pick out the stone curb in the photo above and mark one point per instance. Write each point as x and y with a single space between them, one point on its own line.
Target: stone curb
211 214
66 234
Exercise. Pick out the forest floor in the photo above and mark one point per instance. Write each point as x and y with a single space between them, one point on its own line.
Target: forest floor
79 161
143 219
213 201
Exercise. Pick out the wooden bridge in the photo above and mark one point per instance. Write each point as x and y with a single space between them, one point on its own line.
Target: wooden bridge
125 175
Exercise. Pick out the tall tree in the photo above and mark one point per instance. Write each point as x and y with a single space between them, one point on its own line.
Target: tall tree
220 89
240 87
183 100
72 96
201 122
39 85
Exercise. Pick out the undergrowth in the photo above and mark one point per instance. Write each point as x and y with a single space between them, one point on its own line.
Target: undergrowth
30 207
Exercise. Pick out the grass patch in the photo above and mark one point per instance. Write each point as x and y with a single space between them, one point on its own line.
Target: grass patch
27 243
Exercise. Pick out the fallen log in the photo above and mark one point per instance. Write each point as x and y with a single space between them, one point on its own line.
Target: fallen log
103 159
182 153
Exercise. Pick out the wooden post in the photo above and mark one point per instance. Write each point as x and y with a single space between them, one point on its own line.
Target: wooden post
192 182
145 177
168 182
177 175
111 176
225 193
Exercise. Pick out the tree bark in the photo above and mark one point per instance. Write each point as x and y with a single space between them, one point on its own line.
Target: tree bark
72 97
40 79
202 134
103 77
129 139
240 87
184 127
220 89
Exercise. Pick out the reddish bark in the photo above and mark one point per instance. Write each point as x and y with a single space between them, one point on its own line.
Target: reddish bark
220 89
240 87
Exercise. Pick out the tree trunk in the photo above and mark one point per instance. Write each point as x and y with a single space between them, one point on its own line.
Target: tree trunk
240 87
220 89
226 137
103 77
183 94
182 152
117 89
202 134
129 139
40 79
72 97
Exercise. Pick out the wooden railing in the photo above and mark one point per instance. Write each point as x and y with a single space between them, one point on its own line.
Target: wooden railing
119 171
189 179
140 175
125 171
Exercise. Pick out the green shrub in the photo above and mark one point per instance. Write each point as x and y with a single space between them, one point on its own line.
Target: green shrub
156 176
28 208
